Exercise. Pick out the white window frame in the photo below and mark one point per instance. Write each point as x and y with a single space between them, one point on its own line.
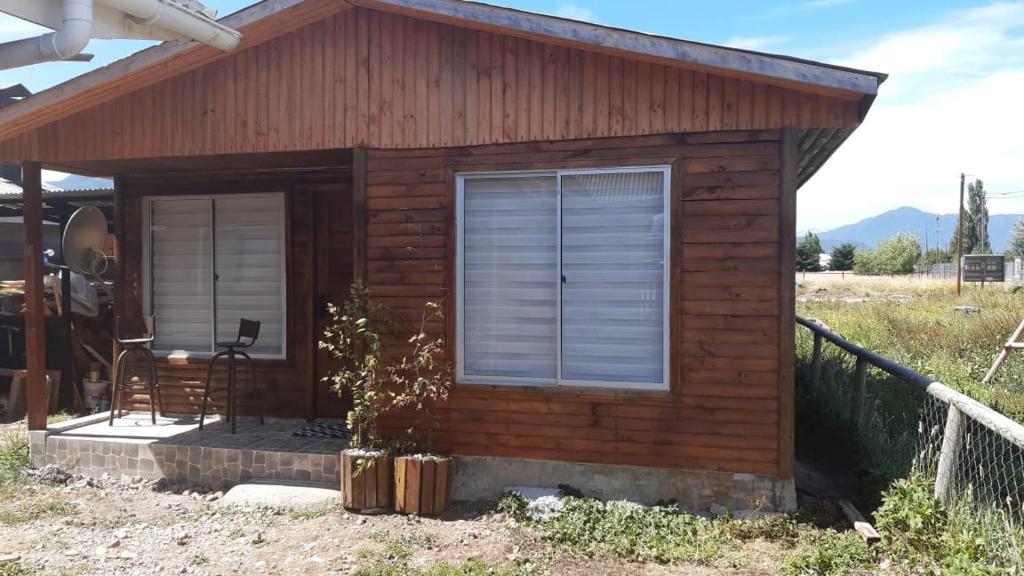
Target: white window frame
462 377
147 267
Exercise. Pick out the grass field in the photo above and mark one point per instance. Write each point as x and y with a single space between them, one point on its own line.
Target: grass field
913 321
916 322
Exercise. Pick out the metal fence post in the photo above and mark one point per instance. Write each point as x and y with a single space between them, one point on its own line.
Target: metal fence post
860 376
948 456
816 361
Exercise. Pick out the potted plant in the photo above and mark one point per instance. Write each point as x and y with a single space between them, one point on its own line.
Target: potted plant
356 338
421 380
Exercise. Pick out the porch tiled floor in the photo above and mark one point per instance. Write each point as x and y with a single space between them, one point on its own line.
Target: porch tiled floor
175 448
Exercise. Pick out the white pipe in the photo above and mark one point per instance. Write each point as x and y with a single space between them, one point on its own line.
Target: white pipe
65 43
179 19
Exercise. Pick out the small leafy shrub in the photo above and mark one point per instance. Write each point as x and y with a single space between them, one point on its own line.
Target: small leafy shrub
919 531
513 505
422 379
830 553
356 338
774 528
643 534
14 457
910 519
15 569
362 339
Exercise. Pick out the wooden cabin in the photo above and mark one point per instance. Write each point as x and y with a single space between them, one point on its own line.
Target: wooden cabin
607 216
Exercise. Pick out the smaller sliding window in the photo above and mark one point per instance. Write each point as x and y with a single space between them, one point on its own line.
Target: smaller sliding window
210 261
562 278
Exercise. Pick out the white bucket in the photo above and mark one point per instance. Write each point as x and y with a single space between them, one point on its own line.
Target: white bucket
94 391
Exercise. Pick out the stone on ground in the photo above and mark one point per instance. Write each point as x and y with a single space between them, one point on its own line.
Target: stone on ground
281 496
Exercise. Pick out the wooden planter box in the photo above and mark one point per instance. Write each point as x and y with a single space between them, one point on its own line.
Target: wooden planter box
421 485
370 488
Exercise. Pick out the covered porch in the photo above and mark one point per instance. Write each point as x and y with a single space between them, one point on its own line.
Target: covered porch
315 223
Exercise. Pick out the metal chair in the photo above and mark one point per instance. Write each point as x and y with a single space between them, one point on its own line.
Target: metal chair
136 345
248 332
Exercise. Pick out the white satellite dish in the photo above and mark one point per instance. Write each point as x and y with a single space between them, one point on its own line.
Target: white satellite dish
85 236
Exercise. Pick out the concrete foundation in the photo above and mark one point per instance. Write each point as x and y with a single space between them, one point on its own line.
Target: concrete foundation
177 450
484 478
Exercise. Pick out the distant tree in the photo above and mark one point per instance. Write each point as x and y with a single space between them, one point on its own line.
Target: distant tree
936 256
976 239
842 257
894 256
1016 247
807 254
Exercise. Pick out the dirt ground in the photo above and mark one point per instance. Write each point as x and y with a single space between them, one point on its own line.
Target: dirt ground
131 527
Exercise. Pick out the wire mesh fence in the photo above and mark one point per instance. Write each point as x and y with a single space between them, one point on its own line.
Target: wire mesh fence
905 423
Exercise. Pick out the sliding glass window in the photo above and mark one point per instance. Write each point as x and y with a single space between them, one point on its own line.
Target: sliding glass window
210 261
562 278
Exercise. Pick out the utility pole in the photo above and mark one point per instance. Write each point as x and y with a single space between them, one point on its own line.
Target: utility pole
960 237
926 238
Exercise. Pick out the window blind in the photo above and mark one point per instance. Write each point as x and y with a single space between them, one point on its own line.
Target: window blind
181 273
613 266
563 277
510 268
213 261
249 262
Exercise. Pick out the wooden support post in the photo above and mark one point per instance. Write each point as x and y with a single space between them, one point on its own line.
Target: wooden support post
816 361
359 214
788 156
120 278
949 455
35 322
860 377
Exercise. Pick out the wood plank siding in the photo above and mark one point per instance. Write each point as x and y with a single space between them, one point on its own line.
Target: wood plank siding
361 77
722 410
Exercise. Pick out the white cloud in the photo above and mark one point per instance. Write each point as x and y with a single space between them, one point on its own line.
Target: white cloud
576 12
952 104
756 42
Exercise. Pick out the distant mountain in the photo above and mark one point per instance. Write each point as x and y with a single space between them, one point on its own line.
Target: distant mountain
869 232
76 182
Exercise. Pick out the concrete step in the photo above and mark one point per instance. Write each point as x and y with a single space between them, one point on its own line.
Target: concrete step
283 496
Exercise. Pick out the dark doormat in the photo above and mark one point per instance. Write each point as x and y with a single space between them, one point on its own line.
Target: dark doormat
325 430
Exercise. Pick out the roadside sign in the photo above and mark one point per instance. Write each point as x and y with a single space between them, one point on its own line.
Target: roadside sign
984 268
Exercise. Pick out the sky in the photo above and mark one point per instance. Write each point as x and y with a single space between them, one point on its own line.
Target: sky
954 101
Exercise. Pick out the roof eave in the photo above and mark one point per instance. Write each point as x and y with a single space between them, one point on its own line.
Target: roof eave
784 70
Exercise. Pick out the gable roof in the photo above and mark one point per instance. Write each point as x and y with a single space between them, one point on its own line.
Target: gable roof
271 18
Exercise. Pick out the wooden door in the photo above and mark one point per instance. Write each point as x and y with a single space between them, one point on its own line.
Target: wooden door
334 236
